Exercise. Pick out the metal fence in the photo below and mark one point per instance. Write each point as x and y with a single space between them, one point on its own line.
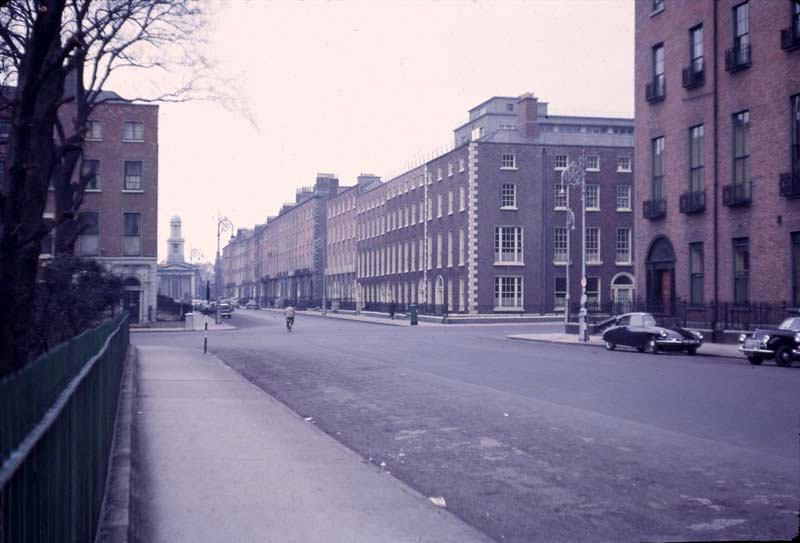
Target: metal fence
56 425
723 316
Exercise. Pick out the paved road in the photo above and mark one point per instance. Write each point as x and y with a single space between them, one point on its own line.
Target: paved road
542 442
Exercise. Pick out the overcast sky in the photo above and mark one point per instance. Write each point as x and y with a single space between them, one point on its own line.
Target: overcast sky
350 87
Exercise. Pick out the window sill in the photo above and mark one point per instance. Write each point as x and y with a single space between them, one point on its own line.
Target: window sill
595 263
628 263
559 209
509 168
508 208
461 210
623 171
510 309
656 11
624 210
593 209
561 263
498 263
133 141
592 169
560 168
92 190
133 191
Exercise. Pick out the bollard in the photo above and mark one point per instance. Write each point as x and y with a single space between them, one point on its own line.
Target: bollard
412 309
205 338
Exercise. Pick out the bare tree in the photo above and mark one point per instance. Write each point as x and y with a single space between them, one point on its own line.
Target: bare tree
58 58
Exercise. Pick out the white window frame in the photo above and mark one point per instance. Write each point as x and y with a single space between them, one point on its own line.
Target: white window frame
628 236
557 194
592 163
449 169
508 161
461 247
627 196
450 202
558 159
560 245
94 130
504 194
462 198
589 188
513 284
439 173
450 249
515 256
461 164
137 131
593 246
620 167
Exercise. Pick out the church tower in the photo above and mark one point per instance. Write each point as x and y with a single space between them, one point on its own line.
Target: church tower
175 242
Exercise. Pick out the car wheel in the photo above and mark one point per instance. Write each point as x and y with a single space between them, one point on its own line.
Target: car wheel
691 351
610 346
652 346
754 360
640 349
783 356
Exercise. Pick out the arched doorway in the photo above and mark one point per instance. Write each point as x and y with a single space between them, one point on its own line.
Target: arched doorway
661 276
622 292
131 298
439 291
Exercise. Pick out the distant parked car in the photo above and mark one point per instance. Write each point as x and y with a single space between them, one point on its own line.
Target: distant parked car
252 304
781 343
225 310
640 330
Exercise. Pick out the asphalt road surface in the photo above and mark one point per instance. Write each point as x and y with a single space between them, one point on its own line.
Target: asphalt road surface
540 442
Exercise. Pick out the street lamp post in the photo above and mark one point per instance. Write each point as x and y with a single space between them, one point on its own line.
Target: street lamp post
575 174
223 224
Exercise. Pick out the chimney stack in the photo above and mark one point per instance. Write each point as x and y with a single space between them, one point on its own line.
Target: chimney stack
528 115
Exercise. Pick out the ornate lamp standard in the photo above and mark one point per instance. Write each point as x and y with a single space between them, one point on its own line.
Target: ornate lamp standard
575 175
223 224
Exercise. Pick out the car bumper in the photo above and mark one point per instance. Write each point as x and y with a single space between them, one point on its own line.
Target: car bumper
750 351
677 344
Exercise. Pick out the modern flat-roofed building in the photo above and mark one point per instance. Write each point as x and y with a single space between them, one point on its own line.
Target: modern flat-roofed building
718 157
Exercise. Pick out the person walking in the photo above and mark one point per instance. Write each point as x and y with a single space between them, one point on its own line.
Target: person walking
288 312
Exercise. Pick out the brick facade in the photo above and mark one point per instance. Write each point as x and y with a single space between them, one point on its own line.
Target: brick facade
753 74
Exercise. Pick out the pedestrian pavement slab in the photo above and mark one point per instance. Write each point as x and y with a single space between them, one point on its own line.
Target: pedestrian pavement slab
221 460
707 349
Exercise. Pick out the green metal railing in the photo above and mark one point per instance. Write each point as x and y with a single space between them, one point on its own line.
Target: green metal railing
56 426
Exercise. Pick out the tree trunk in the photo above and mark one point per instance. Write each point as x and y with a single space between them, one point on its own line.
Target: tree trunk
40 86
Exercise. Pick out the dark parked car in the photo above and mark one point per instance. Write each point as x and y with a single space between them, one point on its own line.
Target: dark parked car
781 343
225 310
641 331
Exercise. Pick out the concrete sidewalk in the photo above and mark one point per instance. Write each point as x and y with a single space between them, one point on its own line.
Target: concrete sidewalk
220 460
708 349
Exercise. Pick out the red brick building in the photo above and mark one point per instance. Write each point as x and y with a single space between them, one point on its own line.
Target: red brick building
717 153
120 206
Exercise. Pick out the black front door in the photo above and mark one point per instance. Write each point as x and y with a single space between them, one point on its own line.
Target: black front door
130 303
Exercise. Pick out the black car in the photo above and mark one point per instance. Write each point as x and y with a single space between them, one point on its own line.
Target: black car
781 343
641 331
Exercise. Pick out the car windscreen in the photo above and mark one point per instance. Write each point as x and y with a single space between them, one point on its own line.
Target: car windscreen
790 324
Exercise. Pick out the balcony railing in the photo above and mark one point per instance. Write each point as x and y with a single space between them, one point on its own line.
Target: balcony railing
737 58
655 209
693 77
737 194
790 184
693 202
790 38
656 90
